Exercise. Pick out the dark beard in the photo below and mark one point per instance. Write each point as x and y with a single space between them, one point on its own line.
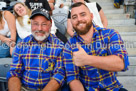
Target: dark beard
85 30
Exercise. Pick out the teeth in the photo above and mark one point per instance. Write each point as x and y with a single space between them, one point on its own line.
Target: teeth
81 24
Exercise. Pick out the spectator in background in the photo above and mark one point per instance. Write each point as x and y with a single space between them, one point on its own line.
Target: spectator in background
34 4
63 4
93 55
98 16
37 62
51 3
117 3
23 24
7 33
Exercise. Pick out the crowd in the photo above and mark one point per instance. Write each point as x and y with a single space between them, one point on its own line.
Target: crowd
43 59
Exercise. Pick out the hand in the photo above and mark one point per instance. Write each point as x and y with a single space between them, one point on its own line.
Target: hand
9 42
80 56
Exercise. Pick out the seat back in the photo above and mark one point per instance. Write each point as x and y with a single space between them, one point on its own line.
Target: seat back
60 19
4 68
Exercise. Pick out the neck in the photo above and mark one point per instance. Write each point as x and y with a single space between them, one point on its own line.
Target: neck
88 36
39 42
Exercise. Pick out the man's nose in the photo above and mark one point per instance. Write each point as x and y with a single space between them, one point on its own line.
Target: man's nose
39 27
79 18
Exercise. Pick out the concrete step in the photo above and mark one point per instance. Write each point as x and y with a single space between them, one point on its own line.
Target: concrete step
110 7
127 33
129 82
101 1
121 22
130 44
131 68
131 28
103 4
117 16
130 38
114 11
132 61
131 51
130 72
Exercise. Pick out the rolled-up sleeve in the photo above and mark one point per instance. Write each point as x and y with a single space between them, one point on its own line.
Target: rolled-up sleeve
117 47
59 71
72 71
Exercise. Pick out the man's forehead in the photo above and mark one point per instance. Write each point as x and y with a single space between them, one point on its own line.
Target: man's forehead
78 9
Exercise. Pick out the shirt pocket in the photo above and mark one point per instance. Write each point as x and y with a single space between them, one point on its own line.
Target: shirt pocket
48 64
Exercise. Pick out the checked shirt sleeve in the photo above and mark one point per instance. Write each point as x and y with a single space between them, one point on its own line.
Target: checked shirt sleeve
59 71
117 47
16 66
72 71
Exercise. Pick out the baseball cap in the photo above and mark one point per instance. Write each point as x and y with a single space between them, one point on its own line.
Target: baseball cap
41 11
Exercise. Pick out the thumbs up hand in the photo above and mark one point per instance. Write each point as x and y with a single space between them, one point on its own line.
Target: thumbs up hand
79 57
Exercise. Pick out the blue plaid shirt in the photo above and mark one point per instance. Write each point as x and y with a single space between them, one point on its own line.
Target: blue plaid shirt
104 42
36 64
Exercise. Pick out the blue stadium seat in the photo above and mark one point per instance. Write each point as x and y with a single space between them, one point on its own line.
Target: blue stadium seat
4 68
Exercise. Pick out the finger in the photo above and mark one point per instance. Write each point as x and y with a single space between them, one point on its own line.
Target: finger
78 46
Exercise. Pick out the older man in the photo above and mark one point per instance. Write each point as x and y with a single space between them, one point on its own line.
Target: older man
37 62
93 54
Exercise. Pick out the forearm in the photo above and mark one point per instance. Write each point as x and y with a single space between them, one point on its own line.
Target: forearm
109 63
13 35
14 84
10 18
105 23
51 1
76 85
70 28
53 85
2 38
51 6
103 19
70 32
11 50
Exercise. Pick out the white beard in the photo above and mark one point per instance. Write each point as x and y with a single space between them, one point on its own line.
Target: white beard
40 38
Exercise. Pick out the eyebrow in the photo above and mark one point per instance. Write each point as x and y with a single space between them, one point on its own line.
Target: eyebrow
79 14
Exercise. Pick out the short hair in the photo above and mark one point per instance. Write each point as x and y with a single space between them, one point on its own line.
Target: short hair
77 5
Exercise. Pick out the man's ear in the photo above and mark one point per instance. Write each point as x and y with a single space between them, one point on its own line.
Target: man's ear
51 22
91 14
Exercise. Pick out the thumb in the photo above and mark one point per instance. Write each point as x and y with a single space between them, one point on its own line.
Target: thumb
79 46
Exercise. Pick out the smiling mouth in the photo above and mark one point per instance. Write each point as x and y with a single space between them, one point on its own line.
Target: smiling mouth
39 33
